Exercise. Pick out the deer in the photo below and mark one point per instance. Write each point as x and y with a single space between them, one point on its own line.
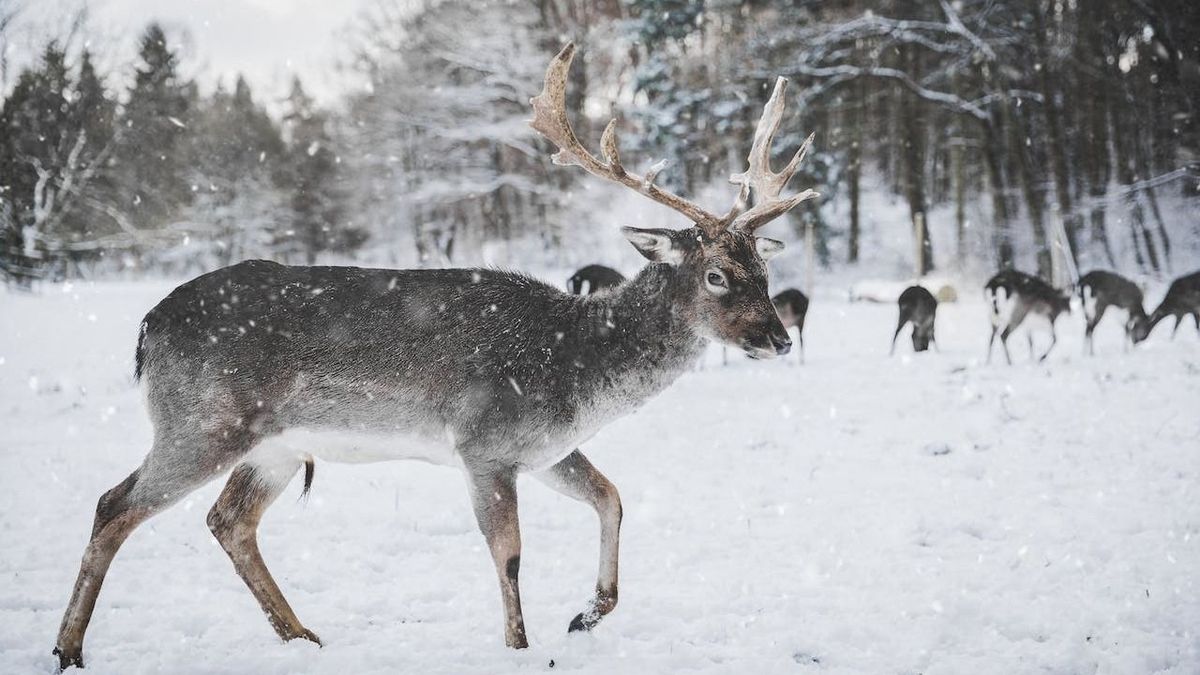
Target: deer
792 305
1014 296
258 369
1182 298
918 307
1099 290
597 278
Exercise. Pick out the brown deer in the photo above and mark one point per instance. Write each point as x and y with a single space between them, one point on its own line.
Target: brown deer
1014 296
1182 299
918 307
255 369
597 278
1100 290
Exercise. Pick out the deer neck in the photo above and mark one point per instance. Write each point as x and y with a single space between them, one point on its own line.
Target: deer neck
648 323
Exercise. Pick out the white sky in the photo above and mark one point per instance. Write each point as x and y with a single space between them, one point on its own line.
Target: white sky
267 40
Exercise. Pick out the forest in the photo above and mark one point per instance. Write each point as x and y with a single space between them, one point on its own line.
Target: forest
1048 135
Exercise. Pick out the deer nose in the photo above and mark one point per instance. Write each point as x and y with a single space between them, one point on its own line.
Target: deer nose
781 343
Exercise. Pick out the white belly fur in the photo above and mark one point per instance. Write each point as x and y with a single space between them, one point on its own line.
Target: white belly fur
353 447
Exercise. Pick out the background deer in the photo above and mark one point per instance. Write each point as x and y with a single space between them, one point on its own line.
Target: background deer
792 306
260 367
1099 290
597 277
1182 298
1015 296
918 307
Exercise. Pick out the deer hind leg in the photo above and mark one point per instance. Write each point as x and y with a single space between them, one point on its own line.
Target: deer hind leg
800 339
1092 322
1053 341
156 485
900 325
234 519
576 478
494 496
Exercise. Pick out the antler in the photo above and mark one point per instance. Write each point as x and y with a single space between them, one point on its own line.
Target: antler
550 120
766 184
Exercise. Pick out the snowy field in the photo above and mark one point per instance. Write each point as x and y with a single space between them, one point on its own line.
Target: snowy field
858 514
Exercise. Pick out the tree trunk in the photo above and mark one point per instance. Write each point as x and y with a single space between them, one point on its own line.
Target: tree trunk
1058 146
912 122
854 172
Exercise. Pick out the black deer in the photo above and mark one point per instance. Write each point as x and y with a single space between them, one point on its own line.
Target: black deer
792 306
1183 298
918 307
597 277
1014 296
1098 291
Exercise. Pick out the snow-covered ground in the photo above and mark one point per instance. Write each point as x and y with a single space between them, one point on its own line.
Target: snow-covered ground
858 514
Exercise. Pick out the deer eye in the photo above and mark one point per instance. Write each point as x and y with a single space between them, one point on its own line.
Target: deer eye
716 281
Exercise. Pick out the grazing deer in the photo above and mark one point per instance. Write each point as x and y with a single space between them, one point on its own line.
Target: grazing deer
792 306
1182 298
1099 290
597 277
918 307
1013 297
258 368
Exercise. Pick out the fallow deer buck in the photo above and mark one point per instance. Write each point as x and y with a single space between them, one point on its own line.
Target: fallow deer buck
1098 291
1015 296
260 367
591 278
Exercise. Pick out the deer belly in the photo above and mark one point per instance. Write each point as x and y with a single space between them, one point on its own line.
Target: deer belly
1089 303
355 447
1002 307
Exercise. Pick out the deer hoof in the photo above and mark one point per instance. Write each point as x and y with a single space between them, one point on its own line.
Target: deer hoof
307 634
584 621
68 658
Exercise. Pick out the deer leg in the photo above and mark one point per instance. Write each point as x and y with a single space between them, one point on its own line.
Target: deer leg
494 496
1091 327
1053 341
152 488
234 522
576 478
992 341
900 325
800 339
1004 343
1178 320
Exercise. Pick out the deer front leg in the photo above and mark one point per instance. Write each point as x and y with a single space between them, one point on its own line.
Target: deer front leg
494 496
576 478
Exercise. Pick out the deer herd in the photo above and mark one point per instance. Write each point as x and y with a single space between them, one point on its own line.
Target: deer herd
253 371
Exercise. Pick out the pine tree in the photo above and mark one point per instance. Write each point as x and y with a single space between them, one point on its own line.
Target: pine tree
316 202
153 184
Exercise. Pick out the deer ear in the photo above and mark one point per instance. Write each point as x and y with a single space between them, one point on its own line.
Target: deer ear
768 248
656 245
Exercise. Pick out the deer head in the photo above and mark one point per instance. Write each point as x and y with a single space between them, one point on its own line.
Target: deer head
720 254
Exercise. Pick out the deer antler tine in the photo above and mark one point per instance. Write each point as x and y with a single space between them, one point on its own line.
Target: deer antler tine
550 120
608 147
790 169
758 177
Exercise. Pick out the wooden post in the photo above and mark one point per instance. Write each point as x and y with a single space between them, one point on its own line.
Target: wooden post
809 256
919 222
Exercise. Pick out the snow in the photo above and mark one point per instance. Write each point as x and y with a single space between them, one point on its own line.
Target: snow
858 514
